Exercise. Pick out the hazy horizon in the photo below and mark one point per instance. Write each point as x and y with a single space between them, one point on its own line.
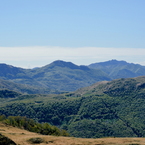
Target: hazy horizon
35 33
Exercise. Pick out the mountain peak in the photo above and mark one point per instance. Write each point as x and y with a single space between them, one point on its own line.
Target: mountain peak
114 62
61 63
108 63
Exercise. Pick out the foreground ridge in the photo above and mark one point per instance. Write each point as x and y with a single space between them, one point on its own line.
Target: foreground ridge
23 137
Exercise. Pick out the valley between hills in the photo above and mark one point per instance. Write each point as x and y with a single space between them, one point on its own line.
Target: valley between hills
100 100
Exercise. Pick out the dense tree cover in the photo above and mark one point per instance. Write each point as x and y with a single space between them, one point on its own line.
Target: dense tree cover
8 94
31 125
113 108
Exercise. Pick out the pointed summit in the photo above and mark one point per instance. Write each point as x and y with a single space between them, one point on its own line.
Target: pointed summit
61 63
119 69
109 63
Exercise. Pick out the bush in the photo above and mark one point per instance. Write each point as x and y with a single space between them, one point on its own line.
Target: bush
36 140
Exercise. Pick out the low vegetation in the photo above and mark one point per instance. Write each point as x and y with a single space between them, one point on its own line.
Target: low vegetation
36 140
23 137
31 125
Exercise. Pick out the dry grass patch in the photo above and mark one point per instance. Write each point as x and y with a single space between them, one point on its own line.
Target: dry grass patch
21 137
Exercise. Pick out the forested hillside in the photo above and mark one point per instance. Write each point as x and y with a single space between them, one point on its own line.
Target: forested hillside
66 76
26 89
114 108
31 125
57 76
60 76
119 69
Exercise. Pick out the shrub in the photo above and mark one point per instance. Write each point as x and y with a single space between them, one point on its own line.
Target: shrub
36 140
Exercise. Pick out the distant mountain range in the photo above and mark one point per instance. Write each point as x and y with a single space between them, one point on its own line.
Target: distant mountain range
65 76
119 69
105 106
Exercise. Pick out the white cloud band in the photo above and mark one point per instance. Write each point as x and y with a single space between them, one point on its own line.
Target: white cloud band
42 55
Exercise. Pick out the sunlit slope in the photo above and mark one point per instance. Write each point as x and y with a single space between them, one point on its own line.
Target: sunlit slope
22 137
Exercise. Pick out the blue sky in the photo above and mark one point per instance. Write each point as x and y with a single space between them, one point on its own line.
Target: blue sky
81 31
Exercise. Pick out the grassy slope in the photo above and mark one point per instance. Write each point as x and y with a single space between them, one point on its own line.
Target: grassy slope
21 137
